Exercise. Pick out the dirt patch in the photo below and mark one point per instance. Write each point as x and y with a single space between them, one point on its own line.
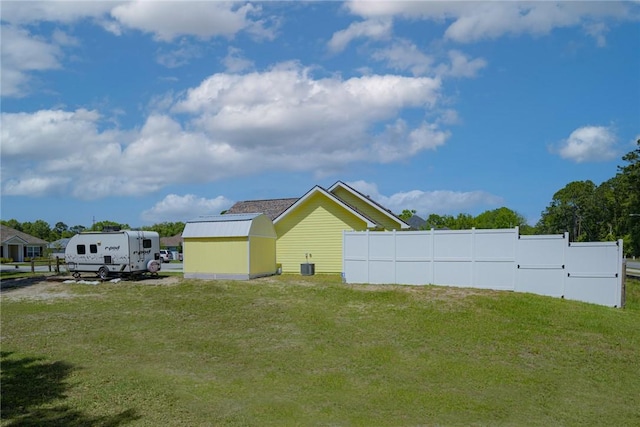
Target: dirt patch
53 287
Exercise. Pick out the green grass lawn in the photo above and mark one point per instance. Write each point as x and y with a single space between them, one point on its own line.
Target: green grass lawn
310 351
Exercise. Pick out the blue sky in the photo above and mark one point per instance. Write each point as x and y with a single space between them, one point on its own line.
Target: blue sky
150 111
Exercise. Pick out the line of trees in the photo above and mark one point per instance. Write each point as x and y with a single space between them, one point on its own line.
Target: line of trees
44 231
608 211
589 212
498 218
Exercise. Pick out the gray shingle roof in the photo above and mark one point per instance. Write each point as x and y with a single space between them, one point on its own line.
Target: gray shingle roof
172 241
271 208
6 233
416 222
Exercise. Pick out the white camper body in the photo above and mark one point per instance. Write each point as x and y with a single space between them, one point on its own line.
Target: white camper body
114 253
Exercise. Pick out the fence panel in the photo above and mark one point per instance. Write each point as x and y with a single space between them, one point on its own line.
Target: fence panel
488 259
540 263
452 256
593 275
494 256
355 253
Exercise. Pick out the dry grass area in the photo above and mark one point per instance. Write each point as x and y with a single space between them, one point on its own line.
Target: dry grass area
56 287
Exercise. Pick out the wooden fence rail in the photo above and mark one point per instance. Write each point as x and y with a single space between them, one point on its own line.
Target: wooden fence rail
54 264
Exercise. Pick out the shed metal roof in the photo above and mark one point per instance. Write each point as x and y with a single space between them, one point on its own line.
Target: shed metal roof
225 217
228 225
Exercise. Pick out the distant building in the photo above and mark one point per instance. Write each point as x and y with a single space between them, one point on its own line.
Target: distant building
19 246
416 223
57 248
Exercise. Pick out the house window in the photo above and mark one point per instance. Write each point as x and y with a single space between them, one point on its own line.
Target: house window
33 251
146 243
81 249
93 249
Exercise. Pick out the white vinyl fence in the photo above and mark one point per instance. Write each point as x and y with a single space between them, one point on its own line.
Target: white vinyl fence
489 259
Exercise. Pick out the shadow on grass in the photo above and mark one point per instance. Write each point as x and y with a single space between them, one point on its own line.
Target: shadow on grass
8 284
30 385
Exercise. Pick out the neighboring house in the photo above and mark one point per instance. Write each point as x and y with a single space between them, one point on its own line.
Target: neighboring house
57 248
416 223
19 246
173 243
309 229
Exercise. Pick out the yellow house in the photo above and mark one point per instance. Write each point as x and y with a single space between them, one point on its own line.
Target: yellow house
229 247
309 229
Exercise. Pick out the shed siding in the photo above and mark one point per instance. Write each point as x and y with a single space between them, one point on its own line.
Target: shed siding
371 212
263 256
314 227
225 255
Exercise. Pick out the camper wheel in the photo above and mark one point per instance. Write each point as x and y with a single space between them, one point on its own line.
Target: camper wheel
103 273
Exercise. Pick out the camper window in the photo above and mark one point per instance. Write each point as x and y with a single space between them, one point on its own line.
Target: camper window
146 243
81 250
93 249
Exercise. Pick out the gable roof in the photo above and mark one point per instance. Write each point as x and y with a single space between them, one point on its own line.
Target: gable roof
416 222
276 209
8 233
330 196
370 202
272 208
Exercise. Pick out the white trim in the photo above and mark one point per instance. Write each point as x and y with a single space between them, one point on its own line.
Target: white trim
403 225
17 240
330 196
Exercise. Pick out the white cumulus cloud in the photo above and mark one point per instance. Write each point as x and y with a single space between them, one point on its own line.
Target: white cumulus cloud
476 20
428 202
206 19
404 55
462 66
27 12
230 125
21 55
589 144
176 208
373 29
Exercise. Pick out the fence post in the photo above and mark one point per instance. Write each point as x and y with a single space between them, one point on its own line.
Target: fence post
49 262
433 256
622 274
33 265
565 249
368 257
57 264
395 257
473 257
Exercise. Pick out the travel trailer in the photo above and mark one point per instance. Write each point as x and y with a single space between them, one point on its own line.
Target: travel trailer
114 253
